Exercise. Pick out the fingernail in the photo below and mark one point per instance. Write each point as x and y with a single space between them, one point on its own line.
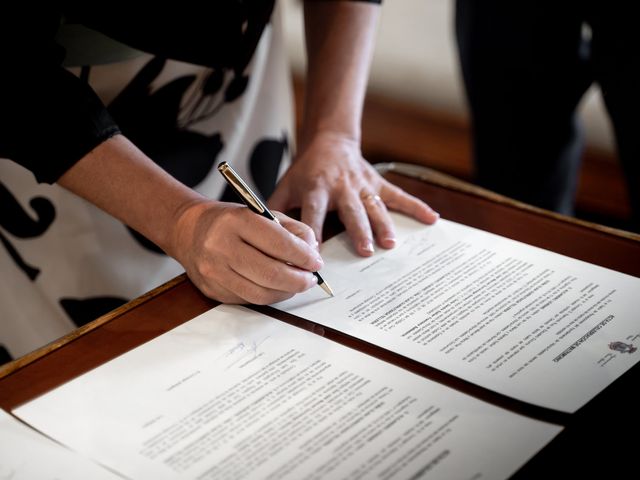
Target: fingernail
313 278
319 260
433 212
367 246
389 240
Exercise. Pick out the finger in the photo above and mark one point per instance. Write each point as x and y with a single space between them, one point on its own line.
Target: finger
280 198
354 217
268 272
250 292
277 242
225 284
298 229
400 201
380 221
314 211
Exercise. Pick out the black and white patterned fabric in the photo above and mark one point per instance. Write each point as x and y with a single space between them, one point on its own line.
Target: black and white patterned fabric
64 262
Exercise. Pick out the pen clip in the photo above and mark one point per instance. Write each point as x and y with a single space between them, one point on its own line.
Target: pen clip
241 188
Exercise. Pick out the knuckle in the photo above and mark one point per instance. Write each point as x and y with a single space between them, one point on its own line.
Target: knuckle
229 216
205 270
296 250
315 183
302 283
350 209
283 244
310 263
270 275
211 292
394 193
210 243
259 296
313 205
307 232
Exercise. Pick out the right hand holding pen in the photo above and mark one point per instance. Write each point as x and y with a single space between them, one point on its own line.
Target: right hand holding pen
235 256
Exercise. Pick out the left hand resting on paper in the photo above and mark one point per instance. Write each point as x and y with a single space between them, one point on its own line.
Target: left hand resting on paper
330 174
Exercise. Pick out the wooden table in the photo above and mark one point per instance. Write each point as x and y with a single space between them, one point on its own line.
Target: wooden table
595 436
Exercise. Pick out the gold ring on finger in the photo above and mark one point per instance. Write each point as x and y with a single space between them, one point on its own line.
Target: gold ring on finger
372 197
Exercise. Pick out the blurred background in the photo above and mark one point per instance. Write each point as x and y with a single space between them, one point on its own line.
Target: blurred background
416 110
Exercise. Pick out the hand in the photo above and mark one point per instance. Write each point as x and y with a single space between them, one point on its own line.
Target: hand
235 256
330 173
230 253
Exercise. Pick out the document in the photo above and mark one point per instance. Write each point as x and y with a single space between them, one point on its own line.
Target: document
234 394
526 322
27 455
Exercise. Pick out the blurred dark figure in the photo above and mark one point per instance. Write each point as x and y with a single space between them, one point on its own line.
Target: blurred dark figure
526 66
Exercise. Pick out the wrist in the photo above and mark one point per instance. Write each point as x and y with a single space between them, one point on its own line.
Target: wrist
332 136
184 226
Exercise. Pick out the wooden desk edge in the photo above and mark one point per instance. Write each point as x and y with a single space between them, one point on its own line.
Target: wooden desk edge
427 174
31 357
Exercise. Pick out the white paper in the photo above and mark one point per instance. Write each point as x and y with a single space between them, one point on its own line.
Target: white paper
523 321
27 455
235 394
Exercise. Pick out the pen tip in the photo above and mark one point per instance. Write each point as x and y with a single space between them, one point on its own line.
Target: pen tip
327 289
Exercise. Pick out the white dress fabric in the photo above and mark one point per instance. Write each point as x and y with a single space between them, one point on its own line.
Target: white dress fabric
82 262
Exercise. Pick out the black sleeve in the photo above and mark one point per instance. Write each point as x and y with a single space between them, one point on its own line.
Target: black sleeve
49 119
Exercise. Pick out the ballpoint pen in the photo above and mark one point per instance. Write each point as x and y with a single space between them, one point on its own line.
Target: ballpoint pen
256 205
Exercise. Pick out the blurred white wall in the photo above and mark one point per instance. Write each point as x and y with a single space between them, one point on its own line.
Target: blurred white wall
415 61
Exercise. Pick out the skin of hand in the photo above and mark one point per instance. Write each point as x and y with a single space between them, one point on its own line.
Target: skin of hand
230 253
236 256
329 171
330 174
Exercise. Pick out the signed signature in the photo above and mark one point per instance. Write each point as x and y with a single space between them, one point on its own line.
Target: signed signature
244 351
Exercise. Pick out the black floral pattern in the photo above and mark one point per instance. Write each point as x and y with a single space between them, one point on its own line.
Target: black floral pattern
15 220
84 310
160 121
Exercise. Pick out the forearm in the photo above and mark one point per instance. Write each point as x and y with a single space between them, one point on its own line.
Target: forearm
329 171
230 253
340 38
121 180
